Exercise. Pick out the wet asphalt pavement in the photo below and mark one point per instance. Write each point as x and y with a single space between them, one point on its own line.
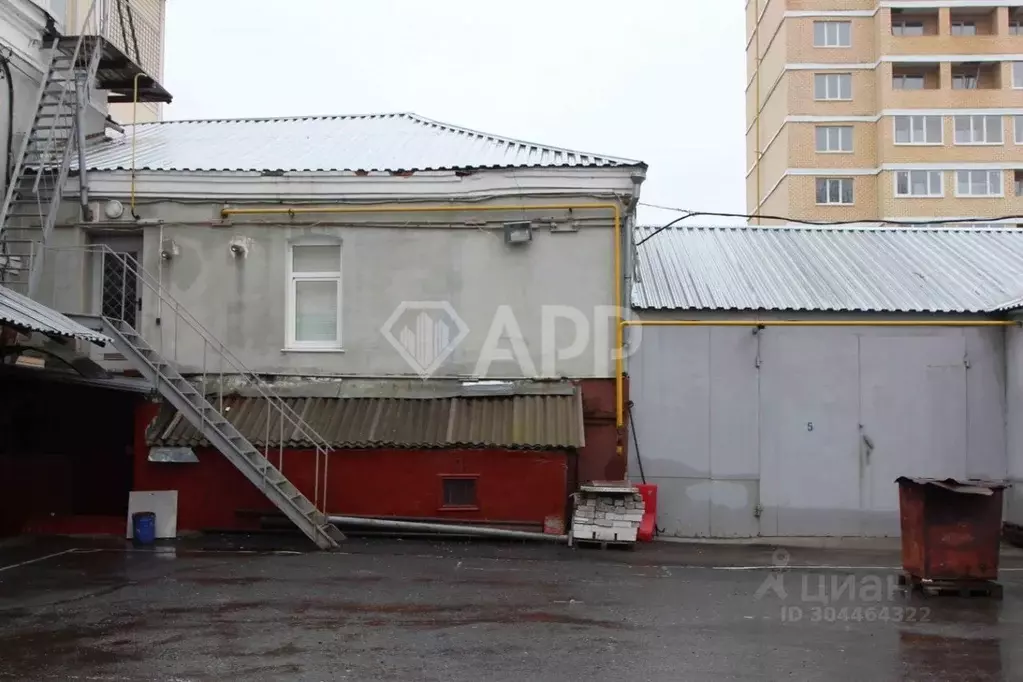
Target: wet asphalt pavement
420 610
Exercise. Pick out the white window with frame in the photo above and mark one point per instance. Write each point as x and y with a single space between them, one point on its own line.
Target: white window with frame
832 86
964 81
1019 129
979 130
1017 75
919 130
907 28
834 139
1016 28
834 191
964 28
314 295
979 183
919 183
832 34
908 81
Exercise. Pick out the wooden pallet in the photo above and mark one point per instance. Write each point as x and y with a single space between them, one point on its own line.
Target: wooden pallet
956 588
603 544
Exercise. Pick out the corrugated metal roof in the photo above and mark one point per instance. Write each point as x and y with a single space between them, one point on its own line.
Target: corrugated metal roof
1015 303
373 142
519 422
21 311
961 270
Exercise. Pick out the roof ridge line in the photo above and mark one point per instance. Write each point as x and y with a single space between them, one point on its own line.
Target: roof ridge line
514 140
272 119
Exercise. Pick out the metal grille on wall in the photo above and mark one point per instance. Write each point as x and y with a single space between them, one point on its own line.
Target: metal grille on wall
119 290
135 34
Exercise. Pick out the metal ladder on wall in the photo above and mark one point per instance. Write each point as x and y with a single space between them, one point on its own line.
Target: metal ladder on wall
32 200
194 405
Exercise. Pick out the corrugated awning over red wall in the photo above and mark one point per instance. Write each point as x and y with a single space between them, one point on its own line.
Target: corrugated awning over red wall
532 422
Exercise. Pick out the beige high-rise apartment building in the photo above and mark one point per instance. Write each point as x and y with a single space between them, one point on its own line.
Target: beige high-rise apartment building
884 109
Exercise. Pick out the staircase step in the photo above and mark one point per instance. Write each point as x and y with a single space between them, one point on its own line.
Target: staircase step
218 430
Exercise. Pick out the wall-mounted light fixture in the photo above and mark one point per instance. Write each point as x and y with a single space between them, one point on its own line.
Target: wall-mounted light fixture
518 233
113 209
239 247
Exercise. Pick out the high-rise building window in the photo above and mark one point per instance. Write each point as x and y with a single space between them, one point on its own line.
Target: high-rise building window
964 81
908 81
832 33
833 139
907 28
979 130
832 86
835 191
979 183
919 130
1017 75
1019 129
919 184
964 28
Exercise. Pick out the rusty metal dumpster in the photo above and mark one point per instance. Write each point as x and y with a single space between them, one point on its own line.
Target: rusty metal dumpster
950 529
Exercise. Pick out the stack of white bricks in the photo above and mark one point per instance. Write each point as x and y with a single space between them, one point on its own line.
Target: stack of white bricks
606 514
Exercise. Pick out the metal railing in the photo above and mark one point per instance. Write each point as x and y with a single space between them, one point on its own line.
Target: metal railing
45 150
122 280
125 24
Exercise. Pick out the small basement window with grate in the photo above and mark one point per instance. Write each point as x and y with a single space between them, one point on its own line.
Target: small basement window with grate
459 492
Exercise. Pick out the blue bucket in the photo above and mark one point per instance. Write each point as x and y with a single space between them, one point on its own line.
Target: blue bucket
143 526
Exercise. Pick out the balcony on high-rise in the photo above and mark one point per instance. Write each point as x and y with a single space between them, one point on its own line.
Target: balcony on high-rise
976 29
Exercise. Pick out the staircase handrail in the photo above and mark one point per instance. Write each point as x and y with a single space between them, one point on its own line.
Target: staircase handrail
263 388
63 94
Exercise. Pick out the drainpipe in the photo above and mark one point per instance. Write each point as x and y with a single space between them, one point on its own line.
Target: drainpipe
756 116
82 89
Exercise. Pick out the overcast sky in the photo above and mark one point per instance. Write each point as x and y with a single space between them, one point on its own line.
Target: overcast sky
656 80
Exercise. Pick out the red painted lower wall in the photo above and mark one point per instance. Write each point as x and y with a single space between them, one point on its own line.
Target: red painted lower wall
512 486
599 459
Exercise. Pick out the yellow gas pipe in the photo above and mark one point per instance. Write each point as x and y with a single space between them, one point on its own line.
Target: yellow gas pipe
134 127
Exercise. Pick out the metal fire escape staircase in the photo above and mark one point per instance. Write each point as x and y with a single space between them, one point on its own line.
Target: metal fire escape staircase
196 406
32 200
121 64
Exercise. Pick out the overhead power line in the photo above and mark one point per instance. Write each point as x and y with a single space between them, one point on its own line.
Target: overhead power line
798 221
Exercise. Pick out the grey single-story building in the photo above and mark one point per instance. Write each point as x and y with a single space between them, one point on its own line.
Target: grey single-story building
911 364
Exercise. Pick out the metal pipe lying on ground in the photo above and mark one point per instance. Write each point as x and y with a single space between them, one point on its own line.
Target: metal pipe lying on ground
477 531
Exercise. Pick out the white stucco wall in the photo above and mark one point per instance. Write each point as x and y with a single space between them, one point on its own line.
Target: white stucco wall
770 433
385 261
21 24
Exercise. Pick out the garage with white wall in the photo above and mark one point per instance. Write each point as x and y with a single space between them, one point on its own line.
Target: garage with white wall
813 366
